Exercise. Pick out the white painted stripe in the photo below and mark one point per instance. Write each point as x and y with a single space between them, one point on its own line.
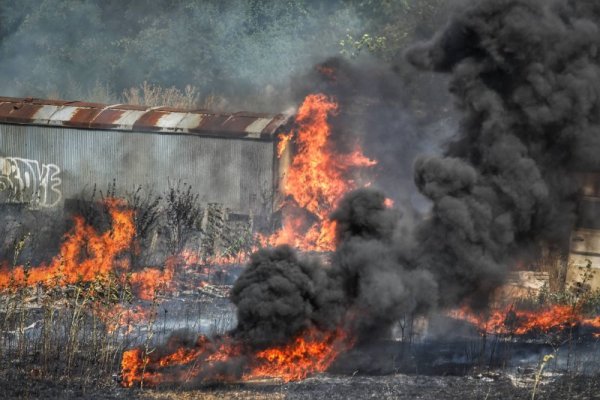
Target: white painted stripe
170 120
190 121
43 114
258 125
128 118
63 114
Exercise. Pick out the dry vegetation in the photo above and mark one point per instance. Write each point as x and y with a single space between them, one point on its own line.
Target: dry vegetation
150 95
156 96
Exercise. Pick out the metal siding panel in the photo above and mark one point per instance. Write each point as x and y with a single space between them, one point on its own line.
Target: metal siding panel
233 172
256 183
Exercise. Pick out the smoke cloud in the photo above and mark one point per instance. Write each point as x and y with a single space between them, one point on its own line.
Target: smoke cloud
278 295
525 76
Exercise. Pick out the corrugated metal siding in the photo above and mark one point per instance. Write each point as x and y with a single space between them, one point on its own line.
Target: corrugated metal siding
235 172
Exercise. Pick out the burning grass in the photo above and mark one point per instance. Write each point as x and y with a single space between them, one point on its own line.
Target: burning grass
108 320
93 312
211 360
517 322
69 320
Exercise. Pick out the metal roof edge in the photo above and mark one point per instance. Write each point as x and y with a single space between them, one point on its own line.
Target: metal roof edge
123 117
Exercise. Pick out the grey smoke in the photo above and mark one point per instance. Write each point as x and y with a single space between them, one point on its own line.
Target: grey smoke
380 107
244 51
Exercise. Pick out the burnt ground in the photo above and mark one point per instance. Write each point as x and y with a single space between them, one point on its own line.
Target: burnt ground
456 368
480 387
397 387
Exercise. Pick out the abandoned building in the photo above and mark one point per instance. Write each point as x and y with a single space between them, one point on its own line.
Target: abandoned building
53 151
58 158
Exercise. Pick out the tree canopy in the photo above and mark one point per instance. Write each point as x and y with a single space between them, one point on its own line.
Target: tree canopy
96 49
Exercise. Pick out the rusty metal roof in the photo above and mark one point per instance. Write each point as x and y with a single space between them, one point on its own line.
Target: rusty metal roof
123 117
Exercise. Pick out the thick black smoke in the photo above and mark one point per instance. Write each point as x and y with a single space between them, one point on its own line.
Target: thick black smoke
525 74
365 287
280 294
375 273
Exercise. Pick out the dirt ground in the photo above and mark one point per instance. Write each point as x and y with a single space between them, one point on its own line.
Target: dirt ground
480 387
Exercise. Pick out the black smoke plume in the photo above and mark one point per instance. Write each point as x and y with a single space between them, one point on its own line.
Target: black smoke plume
278 295
525 76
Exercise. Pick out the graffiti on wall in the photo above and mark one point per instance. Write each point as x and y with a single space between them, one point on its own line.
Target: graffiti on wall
29 181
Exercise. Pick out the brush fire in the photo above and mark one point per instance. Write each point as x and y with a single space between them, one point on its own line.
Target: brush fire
371 233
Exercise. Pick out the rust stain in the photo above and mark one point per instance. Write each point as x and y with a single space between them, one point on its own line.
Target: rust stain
149 121
106 119
20 112
82 116
276 123
238 123
212 123
158 119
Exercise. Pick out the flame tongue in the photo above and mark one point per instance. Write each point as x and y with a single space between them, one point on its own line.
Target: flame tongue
310 352
318 177
510 321
85 253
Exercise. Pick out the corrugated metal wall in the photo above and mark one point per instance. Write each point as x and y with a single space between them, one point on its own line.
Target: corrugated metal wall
60 163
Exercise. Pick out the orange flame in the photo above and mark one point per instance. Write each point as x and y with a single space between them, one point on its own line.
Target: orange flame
84 254
510 321
284 141
310 352
317 179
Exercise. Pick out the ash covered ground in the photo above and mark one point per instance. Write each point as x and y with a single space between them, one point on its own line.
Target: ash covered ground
326 386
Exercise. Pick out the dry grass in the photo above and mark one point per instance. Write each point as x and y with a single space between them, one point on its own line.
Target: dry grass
151 95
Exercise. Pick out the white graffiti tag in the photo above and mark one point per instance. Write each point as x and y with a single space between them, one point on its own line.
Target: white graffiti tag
28 181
